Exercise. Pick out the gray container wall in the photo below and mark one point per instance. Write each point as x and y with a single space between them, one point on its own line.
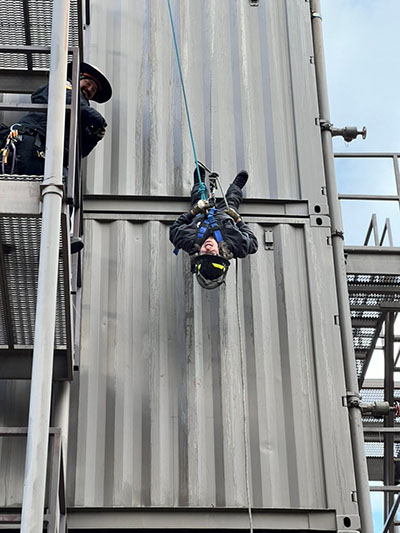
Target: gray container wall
172 378
250 87
163 365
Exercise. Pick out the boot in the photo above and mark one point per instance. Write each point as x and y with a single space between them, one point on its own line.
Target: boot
76 245
241 179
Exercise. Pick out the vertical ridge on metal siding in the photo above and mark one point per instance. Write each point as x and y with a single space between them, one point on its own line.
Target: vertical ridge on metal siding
250 89
329 377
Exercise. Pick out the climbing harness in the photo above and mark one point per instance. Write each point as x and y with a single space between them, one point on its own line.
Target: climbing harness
202 187
209 226
12 138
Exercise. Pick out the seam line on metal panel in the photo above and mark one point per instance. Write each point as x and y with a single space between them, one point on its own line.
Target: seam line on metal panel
245 420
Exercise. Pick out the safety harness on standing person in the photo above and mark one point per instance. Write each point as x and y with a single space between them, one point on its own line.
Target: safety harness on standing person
11 141
15 136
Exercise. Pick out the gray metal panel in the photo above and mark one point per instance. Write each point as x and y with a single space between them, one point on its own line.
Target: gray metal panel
250 87
160 419
200 519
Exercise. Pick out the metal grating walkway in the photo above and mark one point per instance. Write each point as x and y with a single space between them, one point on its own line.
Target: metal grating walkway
28 23
370 297
20 232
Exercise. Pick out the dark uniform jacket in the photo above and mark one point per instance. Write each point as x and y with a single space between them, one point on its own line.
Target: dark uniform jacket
91 120
239 238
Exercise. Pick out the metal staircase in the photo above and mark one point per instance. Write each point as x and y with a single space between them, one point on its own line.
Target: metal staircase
26 33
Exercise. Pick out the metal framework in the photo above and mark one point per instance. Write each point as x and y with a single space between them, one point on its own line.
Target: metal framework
35 287
373 274
373 284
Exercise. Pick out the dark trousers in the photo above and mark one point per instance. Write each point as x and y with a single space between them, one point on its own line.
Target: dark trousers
28 158
233 196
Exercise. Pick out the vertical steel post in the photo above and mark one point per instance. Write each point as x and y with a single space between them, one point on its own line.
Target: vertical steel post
357 437
62 393
61 398
388 455
43 351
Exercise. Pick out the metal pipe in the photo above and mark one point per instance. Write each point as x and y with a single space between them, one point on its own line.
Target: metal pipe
388 462
43 350
356 429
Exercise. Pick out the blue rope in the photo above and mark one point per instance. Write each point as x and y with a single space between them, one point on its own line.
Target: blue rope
202 187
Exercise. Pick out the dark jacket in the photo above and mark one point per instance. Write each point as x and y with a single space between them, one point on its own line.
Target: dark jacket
239 238
91 120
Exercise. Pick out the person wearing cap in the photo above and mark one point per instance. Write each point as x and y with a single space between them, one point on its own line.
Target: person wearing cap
214 235
24 152
31 140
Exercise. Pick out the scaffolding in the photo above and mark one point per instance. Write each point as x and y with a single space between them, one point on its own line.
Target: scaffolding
373 276
40 290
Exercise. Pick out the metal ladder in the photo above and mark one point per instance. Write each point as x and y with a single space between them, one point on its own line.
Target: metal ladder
23 68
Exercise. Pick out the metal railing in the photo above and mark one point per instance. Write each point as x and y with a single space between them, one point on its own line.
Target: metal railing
73 195
373 227
391 492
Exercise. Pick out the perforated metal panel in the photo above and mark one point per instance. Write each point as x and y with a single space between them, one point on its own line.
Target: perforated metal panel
22 237
368 295
28 22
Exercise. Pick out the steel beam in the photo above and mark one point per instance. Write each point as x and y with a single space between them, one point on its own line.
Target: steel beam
388 463
360 462
17 364
228 519
176 205
375 260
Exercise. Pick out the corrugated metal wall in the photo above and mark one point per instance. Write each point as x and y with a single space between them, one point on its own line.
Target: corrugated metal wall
173 378
250 88
160 411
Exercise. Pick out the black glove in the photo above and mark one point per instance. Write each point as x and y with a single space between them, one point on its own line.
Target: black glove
234 214
200 207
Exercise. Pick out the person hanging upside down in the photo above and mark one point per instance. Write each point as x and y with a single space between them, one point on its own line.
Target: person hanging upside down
214 235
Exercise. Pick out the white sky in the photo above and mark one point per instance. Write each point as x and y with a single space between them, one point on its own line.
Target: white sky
362 45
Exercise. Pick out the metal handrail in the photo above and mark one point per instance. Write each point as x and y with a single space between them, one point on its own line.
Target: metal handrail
73 185
394 156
